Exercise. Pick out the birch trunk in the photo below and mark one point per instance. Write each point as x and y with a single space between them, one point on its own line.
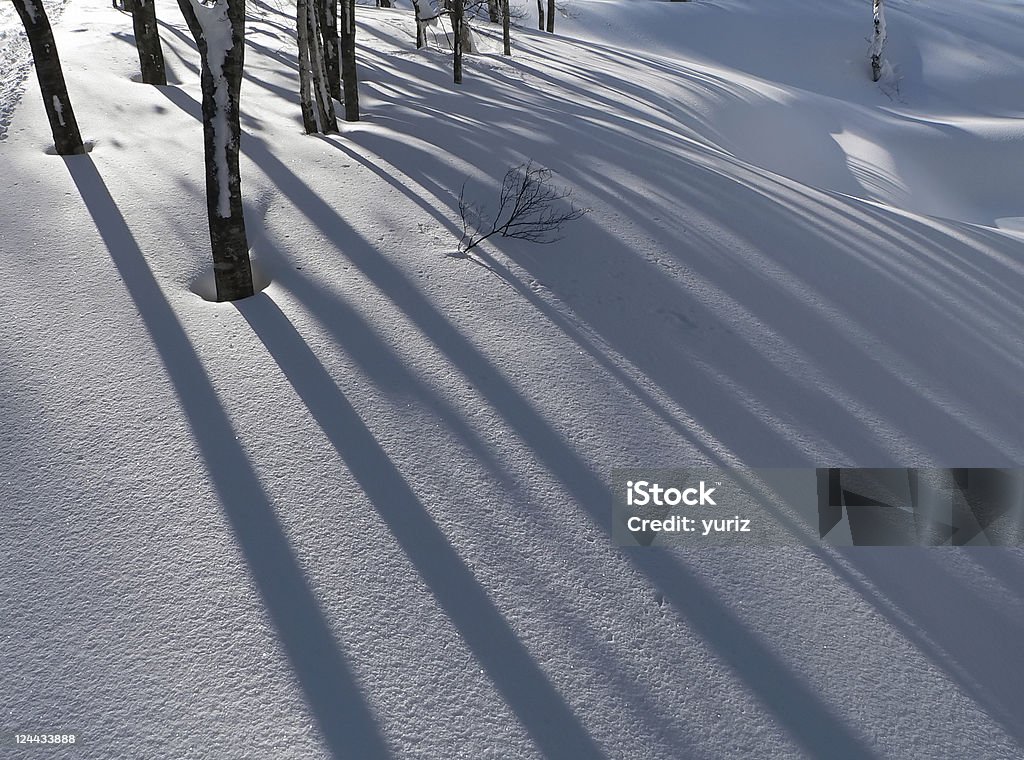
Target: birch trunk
220 37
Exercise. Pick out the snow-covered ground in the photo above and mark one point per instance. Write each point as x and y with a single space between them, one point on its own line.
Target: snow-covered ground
366 512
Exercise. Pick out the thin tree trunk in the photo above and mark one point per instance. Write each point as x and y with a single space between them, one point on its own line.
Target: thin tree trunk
325 106
540 15
147 41
332 53
419 24
457 22
349 80
305 73
551 16
67 140
877 40
221 82
505 37
493 11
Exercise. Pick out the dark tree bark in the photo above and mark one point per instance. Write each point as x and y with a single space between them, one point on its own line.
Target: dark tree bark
419 24
147 41
67 140
551 16
540 15
349 80
324 103
493 11
505 37
221 83
332 54
458 20
877 39
305 71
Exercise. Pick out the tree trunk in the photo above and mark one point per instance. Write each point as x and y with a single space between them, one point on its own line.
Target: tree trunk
221 82
332 53
551 16
877 40
493 11
419 24
457 22
505 37
305 73
325 106
67 140
540 15
350 83
147 41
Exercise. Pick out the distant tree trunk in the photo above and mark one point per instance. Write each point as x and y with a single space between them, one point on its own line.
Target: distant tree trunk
493 11
325 106
350 84
67 140
877 40
540 15
419 24
505 37
458 20
305 72
219 32
332 54
551 16
147 41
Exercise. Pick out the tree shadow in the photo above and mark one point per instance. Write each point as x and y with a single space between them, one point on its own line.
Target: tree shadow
346 722
976 643
521 682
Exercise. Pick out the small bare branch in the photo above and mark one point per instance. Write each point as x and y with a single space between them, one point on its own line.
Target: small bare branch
529 208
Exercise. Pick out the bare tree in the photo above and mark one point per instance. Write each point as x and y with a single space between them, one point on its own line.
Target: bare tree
219 31
420 41
505 21
350 84
332 53
458 21
67 140
540 15
147 41
877 39
324 103
305 69
529 208
551 16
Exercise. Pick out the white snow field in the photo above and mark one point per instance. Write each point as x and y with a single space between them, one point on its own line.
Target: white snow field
365 513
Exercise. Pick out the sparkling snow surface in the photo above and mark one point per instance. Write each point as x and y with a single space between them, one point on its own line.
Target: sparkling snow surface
365 513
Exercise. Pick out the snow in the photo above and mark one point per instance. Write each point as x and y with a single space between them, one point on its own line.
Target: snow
59 109
366 511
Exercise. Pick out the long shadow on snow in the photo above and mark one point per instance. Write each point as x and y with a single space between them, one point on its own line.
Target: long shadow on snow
523 684
811 723
346 722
